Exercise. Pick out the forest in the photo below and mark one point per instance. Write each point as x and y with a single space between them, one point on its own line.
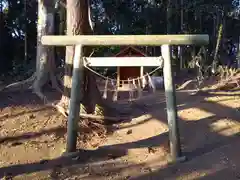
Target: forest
18 26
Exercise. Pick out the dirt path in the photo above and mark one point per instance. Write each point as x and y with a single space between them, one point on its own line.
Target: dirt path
33 137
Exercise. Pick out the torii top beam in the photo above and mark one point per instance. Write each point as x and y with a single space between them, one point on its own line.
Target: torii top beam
111 40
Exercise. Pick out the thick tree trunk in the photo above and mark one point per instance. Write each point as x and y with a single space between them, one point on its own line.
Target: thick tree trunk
78 23
238 53
45 65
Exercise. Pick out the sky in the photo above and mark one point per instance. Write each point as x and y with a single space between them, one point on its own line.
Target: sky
3 5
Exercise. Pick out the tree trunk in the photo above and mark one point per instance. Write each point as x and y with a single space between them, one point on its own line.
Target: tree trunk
77 13
181 59
78 22
45 62
238 53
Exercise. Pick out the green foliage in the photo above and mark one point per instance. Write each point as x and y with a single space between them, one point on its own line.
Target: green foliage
14 24
109 17
106 51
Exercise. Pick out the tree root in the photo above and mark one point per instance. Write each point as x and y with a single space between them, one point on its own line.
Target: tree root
24 85
185 84
109 118
20 85
90 116
223 84
55 85
39 93
28 84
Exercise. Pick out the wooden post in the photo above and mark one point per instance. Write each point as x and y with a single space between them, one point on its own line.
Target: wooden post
134 83
130 90
123 62
151 83
144 82
115 93
175 149
139 88
115 40
141 71
118 77
75 100
105 89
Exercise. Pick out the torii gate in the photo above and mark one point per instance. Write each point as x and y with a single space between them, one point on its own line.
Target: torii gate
111 40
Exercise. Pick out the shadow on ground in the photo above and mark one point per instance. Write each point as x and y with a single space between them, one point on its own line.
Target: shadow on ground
80 157
25 98
211 154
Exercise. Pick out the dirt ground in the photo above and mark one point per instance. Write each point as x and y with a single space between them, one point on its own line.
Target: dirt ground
33 137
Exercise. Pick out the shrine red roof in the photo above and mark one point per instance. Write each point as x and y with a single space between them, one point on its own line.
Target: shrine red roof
131 49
